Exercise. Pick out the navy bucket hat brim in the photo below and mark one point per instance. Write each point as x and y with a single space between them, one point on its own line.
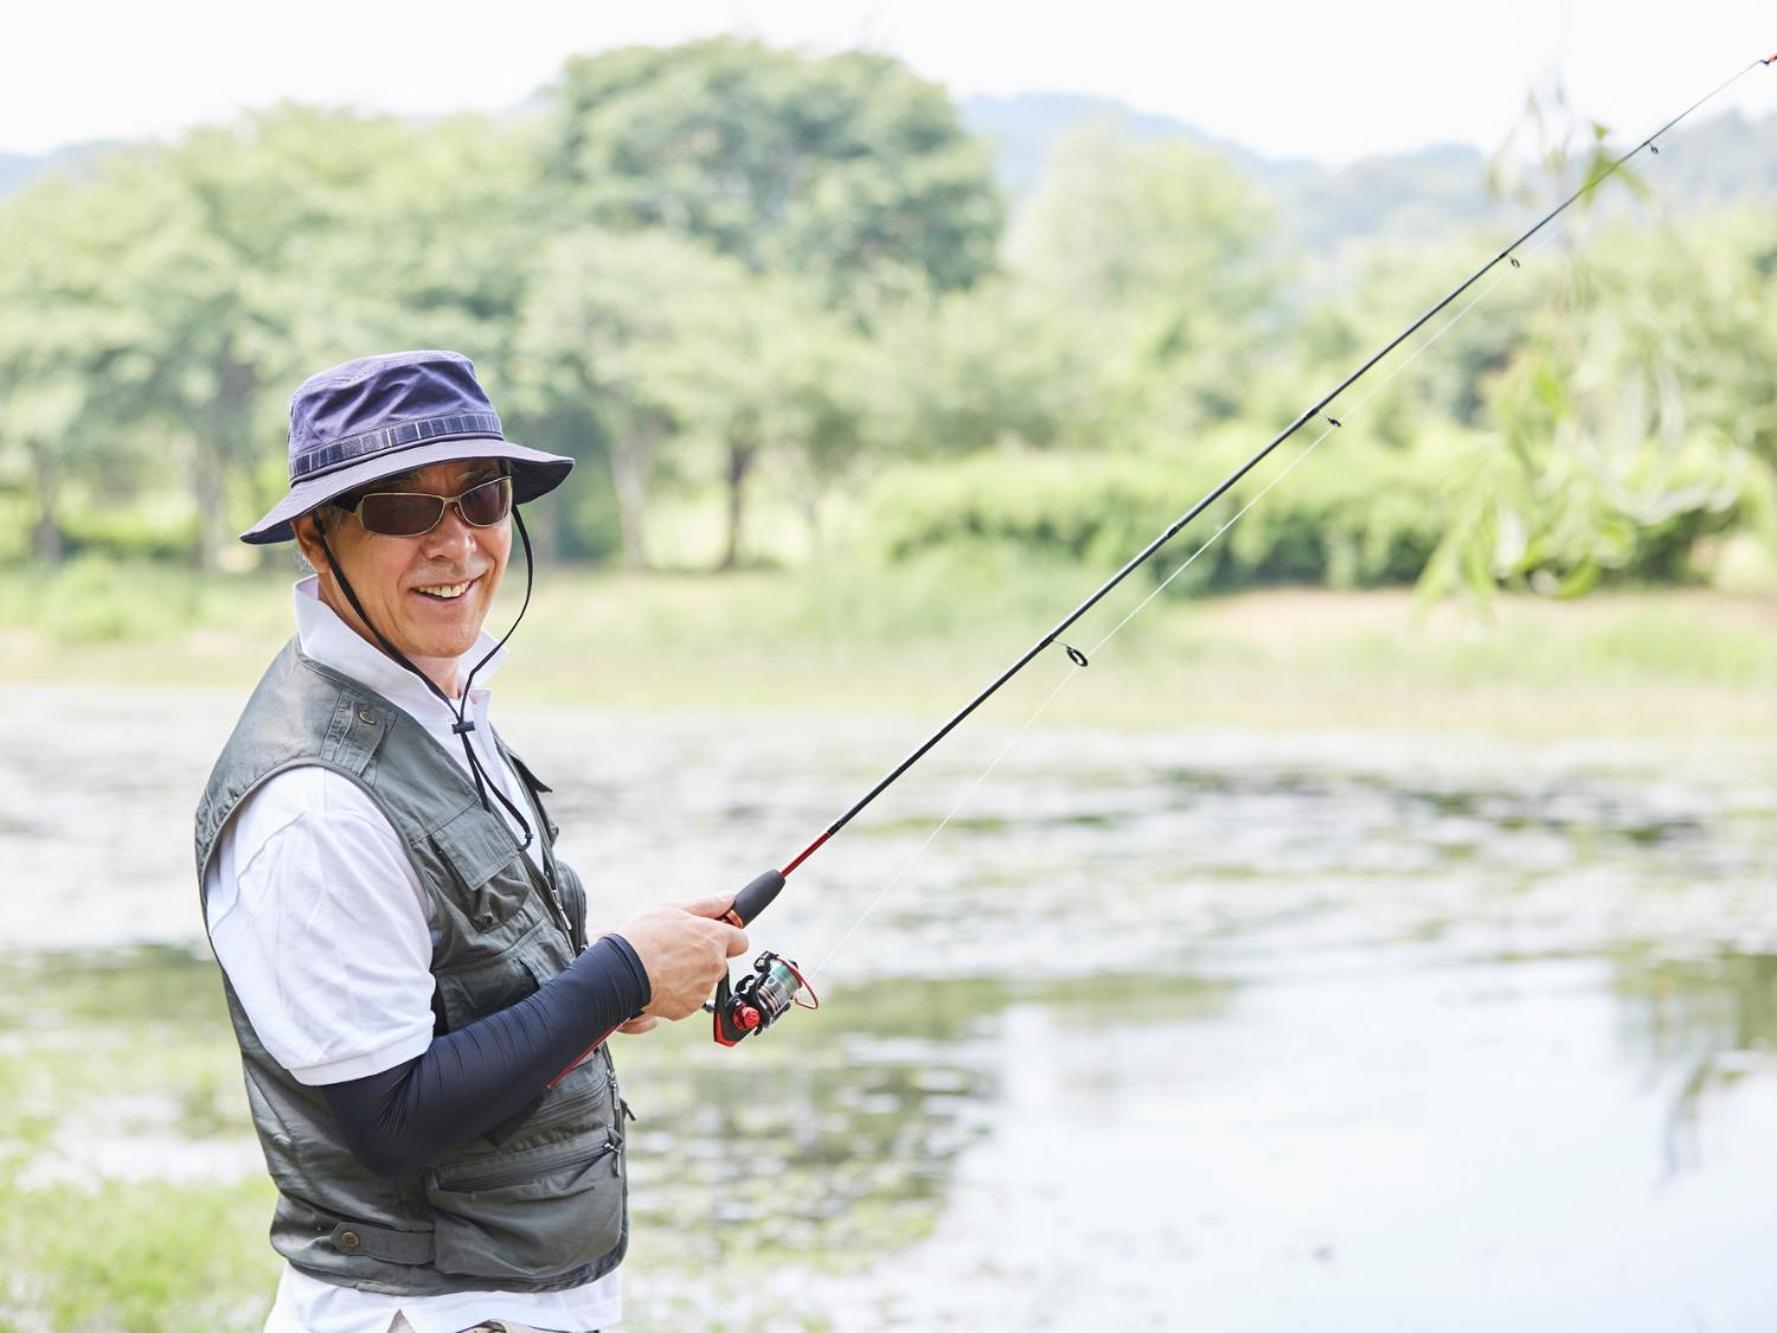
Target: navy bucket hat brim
380 416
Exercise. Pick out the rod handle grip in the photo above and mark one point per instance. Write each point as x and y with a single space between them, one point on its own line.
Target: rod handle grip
755 898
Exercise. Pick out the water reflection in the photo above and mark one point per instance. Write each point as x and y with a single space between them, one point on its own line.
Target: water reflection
1696 1024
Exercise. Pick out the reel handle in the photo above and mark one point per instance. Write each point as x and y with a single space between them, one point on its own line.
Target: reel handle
727 1027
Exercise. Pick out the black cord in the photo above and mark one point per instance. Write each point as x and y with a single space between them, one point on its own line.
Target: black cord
463 726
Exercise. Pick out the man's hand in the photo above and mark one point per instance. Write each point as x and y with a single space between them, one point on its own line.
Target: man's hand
636 1026
685 951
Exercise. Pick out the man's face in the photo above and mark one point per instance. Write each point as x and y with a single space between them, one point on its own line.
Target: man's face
428 594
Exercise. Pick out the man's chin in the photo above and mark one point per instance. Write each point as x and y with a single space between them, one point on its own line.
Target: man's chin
455 647
435 646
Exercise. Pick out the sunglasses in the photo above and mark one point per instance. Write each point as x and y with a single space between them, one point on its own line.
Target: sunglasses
414 513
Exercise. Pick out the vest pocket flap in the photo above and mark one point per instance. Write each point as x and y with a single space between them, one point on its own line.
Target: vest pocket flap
488 984
395 1247
476 845
537 1213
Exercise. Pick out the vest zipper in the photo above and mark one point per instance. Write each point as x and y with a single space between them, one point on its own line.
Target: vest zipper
497 1173
557 911
622 1107
546 872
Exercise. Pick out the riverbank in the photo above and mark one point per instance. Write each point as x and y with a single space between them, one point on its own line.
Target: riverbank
917 643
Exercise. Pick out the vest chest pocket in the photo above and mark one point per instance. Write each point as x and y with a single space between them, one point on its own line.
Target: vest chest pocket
538 1213
479 870
501 940
493 981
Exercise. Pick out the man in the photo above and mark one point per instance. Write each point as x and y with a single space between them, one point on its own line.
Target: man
420 1009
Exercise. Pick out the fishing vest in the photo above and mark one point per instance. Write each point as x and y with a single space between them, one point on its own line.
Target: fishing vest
540 1202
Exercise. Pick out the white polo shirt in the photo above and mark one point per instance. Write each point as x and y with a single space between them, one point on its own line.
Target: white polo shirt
326 934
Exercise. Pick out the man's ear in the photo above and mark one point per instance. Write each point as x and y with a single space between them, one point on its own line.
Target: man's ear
308 529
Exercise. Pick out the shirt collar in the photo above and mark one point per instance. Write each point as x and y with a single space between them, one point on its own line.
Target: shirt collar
325 638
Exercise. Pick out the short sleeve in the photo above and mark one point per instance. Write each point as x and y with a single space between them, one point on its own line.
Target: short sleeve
316 915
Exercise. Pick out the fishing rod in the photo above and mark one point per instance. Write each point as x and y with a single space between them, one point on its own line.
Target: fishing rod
776 984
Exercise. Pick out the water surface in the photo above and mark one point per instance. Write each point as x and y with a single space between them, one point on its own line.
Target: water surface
1167 1030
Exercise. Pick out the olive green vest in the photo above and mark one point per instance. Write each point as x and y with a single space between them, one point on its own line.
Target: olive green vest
537 1204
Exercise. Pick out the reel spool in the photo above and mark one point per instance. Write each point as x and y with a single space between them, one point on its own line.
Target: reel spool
760 998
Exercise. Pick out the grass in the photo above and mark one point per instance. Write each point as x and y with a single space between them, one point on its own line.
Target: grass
135 1257
94 1047
919 640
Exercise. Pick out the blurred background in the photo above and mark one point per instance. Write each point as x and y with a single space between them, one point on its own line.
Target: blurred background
1377 935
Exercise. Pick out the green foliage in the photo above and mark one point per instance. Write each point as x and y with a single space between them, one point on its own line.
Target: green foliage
95 598
846 170
99 599
1354 513
1168 256
1628 430
1165 224
999 362
766 288
123 1257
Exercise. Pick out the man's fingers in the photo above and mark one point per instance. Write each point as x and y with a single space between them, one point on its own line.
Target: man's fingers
716 908
736 941
637 1026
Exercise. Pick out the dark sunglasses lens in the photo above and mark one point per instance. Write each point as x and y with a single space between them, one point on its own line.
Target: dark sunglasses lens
487 503
398 515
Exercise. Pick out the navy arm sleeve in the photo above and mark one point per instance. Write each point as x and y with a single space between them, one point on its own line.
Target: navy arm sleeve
470 1081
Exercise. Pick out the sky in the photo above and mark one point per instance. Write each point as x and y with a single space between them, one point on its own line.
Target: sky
1332 81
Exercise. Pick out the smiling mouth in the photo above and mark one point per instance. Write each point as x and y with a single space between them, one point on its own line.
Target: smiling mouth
445 592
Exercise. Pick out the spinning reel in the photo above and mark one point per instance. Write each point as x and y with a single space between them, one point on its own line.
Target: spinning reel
759 998
771 989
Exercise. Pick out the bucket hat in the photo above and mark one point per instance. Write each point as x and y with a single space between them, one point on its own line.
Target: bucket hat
377 416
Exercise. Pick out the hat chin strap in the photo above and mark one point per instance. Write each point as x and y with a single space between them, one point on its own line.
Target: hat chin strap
463 725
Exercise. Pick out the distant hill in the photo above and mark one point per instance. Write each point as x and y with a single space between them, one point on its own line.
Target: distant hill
1023 129
1423 194
18 170
1416 195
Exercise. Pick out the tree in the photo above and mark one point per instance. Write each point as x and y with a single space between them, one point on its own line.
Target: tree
845 170
1167 253
969 370
65 346
213 223
1628 426
604 338
681 362
770 376
1634 417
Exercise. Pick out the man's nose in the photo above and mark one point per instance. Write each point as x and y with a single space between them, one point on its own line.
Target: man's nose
452 536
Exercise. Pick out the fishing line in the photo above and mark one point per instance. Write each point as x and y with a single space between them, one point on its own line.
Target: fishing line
1074 666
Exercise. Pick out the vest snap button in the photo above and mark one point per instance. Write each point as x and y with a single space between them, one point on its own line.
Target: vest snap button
349 1239
367 717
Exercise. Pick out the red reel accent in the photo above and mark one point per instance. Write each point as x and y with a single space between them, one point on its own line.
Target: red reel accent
801 981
